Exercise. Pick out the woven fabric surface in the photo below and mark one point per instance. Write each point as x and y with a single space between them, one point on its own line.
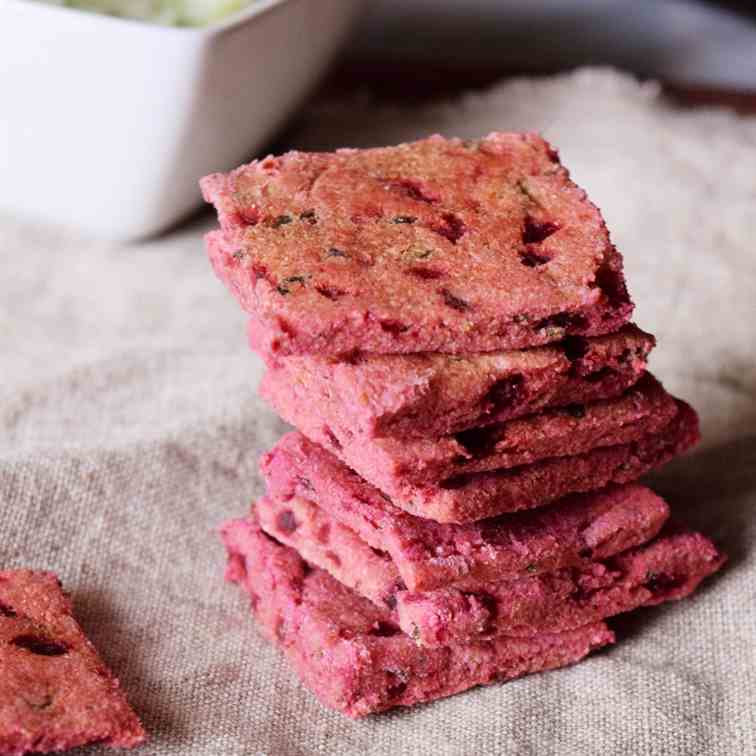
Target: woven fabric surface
130 429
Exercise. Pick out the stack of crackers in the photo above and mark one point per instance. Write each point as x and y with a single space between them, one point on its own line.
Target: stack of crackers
446 324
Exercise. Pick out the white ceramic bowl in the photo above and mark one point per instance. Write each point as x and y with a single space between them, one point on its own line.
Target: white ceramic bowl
107 123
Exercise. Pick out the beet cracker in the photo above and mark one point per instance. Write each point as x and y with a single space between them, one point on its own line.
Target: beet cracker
396 466
353 656
55 691
429 554
470 497
432 394
666 569
438 245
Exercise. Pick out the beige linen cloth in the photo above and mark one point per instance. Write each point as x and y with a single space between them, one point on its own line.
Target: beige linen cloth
129 429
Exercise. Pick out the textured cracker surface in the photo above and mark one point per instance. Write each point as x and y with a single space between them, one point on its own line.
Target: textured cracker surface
469 497
394 465
437 245
350 653
433 394
669 568
430 553
55 692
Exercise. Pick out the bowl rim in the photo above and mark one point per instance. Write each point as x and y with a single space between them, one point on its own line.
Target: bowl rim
254 9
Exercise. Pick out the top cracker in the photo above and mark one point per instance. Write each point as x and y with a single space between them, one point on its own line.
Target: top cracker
436 245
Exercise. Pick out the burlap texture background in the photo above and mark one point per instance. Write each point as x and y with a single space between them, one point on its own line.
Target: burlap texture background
129 429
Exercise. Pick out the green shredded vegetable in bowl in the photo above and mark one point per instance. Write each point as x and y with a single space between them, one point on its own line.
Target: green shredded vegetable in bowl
167 12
